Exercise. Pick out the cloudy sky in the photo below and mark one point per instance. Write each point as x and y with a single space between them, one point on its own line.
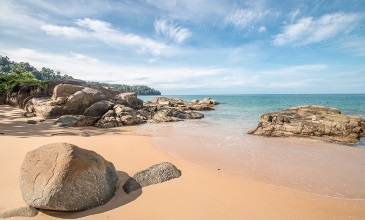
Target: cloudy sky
194 46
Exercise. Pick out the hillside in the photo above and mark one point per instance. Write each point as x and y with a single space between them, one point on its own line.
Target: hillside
8 67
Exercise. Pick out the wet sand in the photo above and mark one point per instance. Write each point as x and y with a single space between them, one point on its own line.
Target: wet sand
202 192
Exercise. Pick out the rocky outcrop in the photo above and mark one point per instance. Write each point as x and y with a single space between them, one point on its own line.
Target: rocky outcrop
64 177
78 106
155 174
19 212
98 109
18 96
129 99
119 116
75 121
52 84
312 121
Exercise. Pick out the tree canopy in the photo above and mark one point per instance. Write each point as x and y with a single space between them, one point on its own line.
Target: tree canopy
23 71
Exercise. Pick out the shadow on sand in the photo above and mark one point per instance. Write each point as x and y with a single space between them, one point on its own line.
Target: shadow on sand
120 198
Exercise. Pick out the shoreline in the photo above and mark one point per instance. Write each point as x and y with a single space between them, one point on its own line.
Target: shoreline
206 193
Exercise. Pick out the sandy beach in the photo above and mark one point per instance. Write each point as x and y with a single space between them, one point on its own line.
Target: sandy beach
200 193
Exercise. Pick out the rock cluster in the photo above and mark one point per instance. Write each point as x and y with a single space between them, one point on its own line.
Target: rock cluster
64 177
78 106
312 121
155 174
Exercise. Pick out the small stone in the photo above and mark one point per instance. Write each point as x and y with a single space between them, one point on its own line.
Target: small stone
32 122
155 174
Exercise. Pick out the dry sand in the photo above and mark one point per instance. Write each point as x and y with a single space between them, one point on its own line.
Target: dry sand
200 193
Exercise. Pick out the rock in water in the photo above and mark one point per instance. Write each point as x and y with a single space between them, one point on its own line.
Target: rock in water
312 121
155 174
19 212
64 177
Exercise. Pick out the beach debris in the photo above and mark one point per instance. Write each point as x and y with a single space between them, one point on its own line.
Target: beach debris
64 177
19 212
312 121
155 174
32 122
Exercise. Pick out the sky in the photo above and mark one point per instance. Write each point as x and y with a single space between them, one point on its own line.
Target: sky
194 46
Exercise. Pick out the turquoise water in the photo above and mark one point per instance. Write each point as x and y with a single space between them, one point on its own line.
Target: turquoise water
220 140
246 110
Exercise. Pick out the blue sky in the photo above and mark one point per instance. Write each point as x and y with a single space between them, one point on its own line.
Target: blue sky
194 46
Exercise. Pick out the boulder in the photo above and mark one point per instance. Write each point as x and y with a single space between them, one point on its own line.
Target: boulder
98 109
19 212
21 92
155 174
312 121
75 121
130 98
209 101
65 90
64 177
164 116
52 84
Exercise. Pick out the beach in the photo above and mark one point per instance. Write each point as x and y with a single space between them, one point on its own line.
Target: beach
202 192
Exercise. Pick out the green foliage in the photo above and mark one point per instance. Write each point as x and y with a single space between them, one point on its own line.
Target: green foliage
140 89
9 81
9 67
10 70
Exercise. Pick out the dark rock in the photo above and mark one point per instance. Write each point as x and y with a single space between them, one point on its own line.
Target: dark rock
64 177
98 109
75 121
21 92
155 174
19 212
32 122
311 121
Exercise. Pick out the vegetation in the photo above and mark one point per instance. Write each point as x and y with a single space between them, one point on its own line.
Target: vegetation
12 73
139 89
10 67
9 81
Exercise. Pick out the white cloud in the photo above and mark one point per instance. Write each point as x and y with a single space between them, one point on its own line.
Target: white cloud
103 31
172 31
91 69
70 32
354 46
262 29
14 16
309 30
246 18
294 14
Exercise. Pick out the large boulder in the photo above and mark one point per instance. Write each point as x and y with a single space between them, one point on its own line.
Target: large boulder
75 121
64 177
65 90
155 174
165 115
52 84
130 99
98 109
312 121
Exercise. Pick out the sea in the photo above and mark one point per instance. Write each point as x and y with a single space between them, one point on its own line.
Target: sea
220 142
